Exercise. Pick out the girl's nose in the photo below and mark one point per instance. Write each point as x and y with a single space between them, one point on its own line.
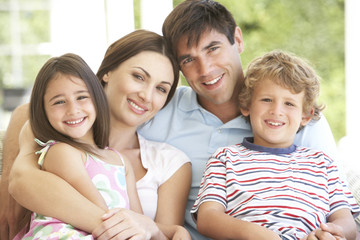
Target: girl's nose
72 108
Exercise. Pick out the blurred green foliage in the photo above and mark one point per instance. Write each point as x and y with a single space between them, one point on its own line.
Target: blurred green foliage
311 29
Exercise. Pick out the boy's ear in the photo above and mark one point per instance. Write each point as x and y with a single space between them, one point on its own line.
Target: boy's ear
245 112
306 118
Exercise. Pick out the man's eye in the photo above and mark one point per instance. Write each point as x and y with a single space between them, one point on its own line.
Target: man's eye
213 48
187 60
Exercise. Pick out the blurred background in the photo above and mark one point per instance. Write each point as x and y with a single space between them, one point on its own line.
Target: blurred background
31 31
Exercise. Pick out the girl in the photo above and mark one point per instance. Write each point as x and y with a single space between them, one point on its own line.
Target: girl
139 77
69 117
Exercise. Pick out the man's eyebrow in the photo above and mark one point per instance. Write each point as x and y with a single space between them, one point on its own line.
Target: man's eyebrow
211 44
181 58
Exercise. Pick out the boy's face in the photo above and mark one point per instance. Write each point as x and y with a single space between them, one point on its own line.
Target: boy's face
275 114
212 67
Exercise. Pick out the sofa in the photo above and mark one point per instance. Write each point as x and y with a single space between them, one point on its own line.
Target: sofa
352 175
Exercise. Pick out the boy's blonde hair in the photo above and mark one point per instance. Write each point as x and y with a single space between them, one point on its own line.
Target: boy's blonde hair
288 71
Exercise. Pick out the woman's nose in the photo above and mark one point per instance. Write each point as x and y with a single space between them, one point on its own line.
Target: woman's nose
146 94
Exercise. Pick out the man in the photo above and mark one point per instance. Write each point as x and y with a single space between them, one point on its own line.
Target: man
198 120
207 44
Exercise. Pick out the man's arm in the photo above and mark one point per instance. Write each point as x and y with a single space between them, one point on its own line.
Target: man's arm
13 217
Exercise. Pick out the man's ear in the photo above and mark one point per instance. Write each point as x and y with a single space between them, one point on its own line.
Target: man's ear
239 40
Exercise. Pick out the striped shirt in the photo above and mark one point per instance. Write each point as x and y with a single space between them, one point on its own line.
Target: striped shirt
288 190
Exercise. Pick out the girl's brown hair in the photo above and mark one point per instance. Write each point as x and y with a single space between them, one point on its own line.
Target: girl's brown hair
69 65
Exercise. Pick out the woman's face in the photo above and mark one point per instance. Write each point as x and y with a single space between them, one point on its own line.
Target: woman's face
138 88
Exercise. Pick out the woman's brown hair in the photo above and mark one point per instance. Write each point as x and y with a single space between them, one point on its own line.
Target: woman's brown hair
133 44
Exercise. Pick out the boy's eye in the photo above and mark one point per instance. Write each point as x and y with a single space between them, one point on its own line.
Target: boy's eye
266 100
289 104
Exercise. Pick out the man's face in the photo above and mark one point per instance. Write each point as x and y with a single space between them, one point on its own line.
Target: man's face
212 67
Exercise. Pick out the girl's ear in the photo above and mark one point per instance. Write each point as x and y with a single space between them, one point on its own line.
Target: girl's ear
306 118
245 112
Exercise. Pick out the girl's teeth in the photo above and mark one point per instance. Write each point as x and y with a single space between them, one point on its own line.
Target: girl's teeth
75 122
136 106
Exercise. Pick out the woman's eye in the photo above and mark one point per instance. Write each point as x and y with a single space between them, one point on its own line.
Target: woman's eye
162 89
137 76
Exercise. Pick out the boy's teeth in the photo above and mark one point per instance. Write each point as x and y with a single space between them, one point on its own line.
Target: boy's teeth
275 123
75 122
136 106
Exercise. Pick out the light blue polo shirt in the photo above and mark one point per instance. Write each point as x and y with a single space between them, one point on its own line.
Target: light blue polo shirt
184 124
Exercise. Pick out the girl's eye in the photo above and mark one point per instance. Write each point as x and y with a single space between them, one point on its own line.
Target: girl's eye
266 100
82 97
289 104
59 102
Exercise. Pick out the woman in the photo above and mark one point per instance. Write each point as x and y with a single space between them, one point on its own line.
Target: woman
139 77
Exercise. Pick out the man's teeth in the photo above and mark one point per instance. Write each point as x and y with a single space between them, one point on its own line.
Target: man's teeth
213 81
75 122
136 106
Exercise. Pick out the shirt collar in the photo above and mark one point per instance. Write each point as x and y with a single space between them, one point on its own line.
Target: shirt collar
248 143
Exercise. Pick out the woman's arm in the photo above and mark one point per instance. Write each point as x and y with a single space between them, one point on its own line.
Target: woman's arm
67 162
213 222
134 200
34 189
172 198
13 217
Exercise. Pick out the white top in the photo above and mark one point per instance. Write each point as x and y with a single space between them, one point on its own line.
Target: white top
161 161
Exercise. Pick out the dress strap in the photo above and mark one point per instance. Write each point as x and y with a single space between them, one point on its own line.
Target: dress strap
114 150
44 150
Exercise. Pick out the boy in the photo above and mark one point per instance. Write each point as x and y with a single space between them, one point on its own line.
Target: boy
267 187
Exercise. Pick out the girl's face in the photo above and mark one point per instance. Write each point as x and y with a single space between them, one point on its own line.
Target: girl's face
276 114
69 107
138 88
